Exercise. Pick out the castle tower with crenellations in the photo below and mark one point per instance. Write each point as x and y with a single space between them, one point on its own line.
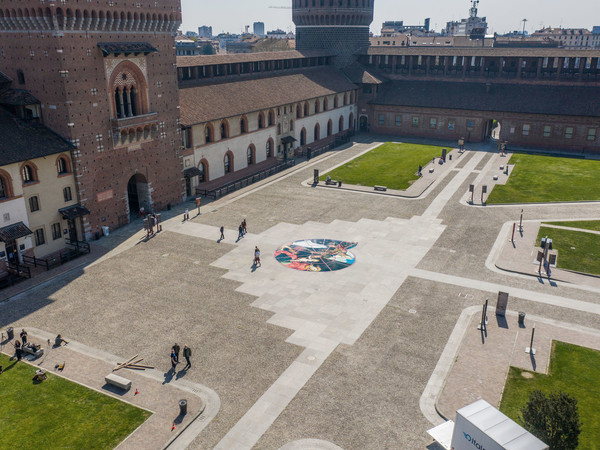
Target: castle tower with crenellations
341 26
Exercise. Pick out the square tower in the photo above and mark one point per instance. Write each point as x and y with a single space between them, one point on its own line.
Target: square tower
106 78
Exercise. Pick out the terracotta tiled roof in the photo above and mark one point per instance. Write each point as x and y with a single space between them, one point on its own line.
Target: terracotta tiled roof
359 74
23 140
17 97
216 101
4 79
525 99
207 60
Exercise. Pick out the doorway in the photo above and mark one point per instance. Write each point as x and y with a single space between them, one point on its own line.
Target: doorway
364 123
493 129
11 252
138 195
188 186
72 230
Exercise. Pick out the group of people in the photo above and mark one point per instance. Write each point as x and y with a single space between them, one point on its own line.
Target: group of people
242 229
187 353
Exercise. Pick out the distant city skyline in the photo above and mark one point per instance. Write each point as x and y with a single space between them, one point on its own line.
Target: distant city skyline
233 15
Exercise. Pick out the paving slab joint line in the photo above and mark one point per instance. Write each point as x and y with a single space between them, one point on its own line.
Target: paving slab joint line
437 381
210 399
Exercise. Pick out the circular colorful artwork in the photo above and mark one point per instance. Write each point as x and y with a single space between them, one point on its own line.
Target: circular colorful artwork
316 255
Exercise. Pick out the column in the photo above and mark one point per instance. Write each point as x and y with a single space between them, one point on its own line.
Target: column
540 63
561 63
446 63
428 64
465 62
121 102
410 65
519 67
482 66
128 102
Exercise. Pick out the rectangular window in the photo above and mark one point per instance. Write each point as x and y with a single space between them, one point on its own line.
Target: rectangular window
547 130
56 232
415 122
381 119
34 203
526 129
433 123
367 89
67 194
591 135
451 124
470 124
398 121
568 132
39 237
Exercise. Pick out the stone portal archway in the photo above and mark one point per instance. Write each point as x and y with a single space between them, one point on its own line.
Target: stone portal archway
138 195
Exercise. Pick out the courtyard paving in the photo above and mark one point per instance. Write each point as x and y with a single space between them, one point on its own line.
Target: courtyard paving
324 359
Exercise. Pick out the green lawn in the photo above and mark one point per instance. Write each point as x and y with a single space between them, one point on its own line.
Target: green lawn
391 165
58 413
593 225
577 250
549 179
574 370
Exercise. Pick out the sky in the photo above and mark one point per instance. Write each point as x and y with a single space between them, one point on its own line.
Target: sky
502 16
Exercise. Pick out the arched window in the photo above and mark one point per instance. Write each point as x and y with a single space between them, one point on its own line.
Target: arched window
261 120
130 90
243 125
209 133
306 109
317 106
325 104
5 185
317 132
29 173
250 155
271 118
303 136
278 128
269 148
329 128
341 124
202 170
291 125
62 165
228 163
335 101
224 129
298 111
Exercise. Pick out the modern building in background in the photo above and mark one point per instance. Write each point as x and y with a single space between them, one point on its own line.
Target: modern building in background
394 28
205 32
472 26
259 29
572 38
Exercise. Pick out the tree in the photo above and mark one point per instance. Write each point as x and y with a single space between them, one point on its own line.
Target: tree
553 419
208 49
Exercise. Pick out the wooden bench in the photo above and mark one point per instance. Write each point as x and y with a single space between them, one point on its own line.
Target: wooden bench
118 381
380 188
331 182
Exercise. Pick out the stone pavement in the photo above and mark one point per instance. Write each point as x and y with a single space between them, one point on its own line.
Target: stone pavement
88 367
484 358
349 359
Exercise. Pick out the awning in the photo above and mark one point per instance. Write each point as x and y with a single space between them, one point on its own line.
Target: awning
126 48
73 212
288 139
192 172
14 231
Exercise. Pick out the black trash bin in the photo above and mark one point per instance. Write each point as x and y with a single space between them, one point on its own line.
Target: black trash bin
183 407
10 332
521 318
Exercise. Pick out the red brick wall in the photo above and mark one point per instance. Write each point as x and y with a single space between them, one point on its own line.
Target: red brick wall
71 109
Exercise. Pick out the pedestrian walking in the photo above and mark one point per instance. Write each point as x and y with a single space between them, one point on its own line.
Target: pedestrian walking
257 256
176 349
187 352
244 226
18 350
240 232
186 215
23 336
222 233
173 360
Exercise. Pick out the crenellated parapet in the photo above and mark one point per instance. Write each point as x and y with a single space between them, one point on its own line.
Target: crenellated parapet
93 16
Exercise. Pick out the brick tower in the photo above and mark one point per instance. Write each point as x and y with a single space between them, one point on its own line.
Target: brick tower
105 74
341 26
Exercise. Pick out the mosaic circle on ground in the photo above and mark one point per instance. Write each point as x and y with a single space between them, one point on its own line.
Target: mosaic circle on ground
316 255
